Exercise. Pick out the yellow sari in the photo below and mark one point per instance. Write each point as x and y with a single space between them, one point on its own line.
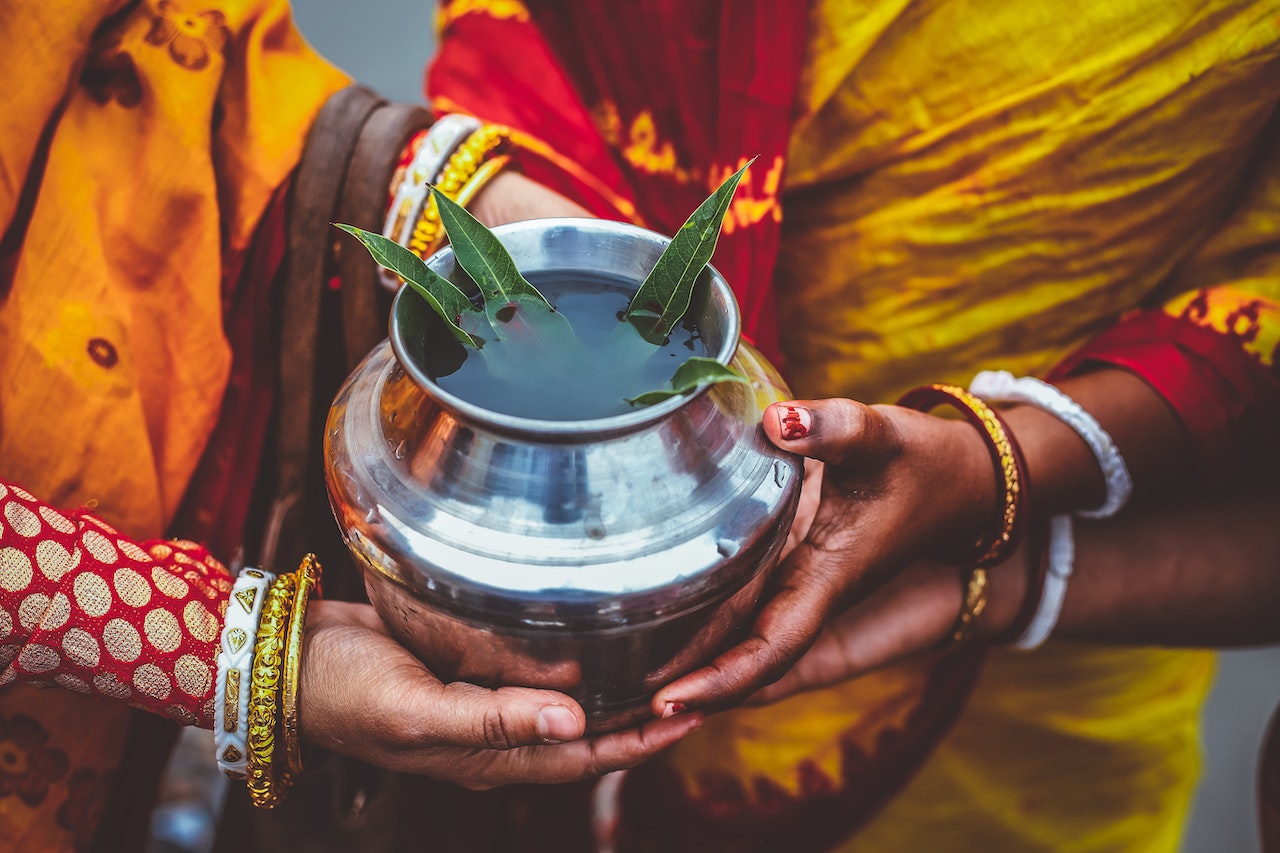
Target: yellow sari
986 186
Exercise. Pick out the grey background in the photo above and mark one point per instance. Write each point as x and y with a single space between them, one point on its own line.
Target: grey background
386 43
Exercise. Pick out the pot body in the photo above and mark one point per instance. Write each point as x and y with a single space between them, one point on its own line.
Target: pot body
601 558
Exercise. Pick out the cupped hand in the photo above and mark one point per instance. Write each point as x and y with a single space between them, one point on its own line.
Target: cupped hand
364 695
897 485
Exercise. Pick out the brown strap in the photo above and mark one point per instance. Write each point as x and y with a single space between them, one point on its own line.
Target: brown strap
365 301
317 187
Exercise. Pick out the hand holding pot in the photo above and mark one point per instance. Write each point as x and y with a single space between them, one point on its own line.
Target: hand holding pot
900 485
364 695
896 485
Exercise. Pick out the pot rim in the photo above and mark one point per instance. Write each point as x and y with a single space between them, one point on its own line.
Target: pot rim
442 262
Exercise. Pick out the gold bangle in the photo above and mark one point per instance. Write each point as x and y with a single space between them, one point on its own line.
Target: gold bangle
462 167
481 178
1011 479
307 578
471 154
403 210
426 231
264 692
975 602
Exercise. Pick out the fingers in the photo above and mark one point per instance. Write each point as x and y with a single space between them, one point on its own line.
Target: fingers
806 508
462 714
835 430
910 614
571 762
782 632
826 662
621 750
364 695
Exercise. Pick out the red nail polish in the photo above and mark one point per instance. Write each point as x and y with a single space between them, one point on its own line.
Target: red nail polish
672 709
795 421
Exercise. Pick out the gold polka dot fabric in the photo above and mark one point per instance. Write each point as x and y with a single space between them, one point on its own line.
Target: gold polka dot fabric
88 610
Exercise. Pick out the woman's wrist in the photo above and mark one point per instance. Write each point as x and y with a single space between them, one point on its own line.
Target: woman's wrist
513 197
1064 471
959 494
1062 467
1008 586
488 205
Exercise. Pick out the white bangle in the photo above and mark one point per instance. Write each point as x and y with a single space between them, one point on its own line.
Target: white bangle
1001 386
1062 555
235 660
442 139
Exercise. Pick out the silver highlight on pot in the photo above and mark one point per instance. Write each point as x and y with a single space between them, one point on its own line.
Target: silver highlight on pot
600 557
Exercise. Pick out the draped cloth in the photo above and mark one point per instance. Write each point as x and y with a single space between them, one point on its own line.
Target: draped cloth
140 144
941 188
694 114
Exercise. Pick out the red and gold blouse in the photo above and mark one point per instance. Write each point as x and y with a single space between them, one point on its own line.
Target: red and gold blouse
85 608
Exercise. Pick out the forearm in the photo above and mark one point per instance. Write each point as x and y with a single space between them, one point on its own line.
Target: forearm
1191 401
1203 573
1064 474
89 609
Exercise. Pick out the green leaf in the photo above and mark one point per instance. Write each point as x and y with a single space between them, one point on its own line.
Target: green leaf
515 308
695 372
442 295
664 295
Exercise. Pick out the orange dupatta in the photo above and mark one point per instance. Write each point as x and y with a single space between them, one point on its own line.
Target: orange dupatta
139 146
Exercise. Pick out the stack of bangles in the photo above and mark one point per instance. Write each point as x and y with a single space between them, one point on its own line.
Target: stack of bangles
256 694
458 155
1051 571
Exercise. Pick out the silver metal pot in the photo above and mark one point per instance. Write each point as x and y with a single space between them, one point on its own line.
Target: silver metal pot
603 558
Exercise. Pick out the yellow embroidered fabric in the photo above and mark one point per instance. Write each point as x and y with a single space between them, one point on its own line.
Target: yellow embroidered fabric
169 125
987 185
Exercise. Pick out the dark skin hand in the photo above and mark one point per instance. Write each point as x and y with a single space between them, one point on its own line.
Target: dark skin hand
362 694
901 486
886 488
1197 574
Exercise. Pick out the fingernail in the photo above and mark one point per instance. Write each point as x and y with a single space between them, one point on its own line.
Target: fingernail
557 723
795 421
673 708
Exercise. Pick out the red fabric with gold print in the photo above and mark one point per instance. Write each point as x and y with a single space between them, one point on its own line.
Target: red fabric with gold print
115 620
87 609
1212 355
621 131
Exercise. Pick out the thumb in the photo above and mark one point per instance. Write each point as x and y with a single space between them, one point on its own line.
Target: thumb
466 715
835 431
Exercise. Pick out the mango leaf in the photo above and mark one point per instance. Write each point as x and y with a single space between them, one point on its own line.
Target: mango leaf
695 372
442 295
514 307
664 294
